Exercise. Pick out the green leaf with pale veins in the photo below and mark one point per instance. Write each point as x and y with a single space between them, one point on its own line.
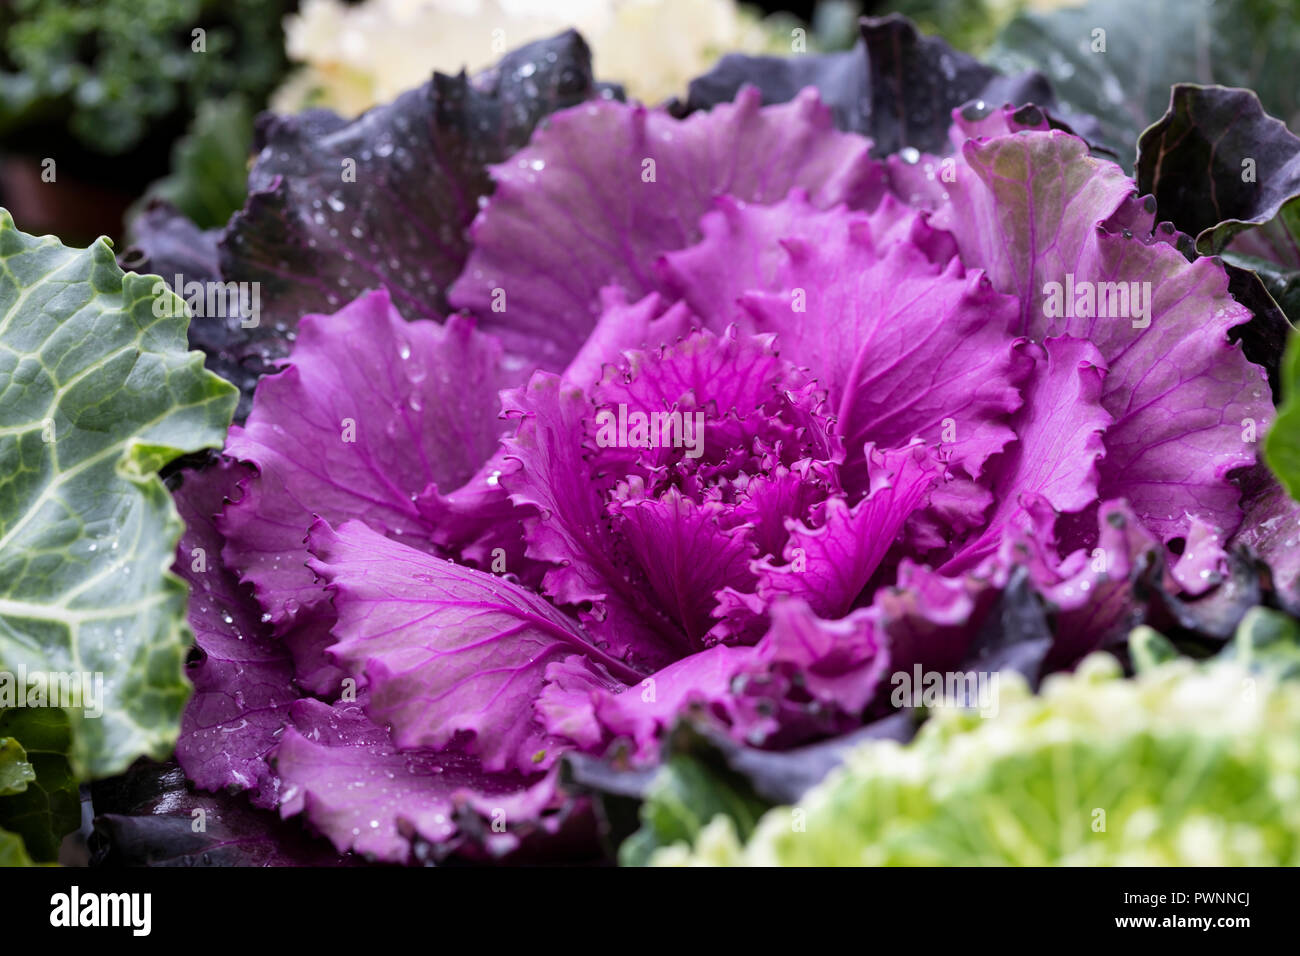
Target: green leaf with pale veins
97 391
209 172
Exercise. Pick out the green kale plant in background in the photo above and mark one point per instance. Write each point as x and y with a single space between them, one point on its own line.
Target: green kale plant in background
111 69
120 92
1185 764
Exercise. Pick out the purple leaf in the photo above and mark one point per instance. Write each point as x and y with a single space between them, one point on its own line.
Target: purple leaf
358 432
336 207
446 650
1060 430
344 775
907 344
243 680
147 816
567 220
830 564
1052 226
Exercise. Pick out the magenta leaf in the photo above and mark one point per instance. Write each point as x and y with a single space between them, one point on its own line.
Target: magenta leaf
370 413
567 220
446 650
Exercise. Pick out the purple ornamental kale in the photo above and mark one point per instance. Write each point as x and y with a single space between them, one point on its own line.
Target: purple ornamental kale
739 418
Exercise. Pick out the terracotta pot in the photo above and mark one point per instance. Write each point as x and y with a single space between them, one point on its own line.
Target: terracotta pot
75 210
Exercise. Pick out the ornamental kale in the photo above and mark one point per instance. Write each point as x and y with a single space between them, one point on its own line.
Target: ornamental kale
732 417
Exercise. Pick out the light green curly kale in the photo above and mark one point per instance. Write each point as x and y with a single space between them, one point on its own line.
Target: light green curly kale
1186 764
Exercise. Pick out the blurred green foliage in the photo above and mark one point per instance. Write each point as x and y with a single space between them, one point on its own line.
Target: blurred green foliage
107 70
968 25
209 170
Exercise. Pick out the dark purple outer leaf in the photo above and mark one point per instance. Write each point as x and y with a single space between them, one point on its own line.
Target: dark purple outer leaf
1263 338
785 776
1015 635
1272 533
1213 618
337 207
164 242
1191 161
147 817
242 675
896 86
839 77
